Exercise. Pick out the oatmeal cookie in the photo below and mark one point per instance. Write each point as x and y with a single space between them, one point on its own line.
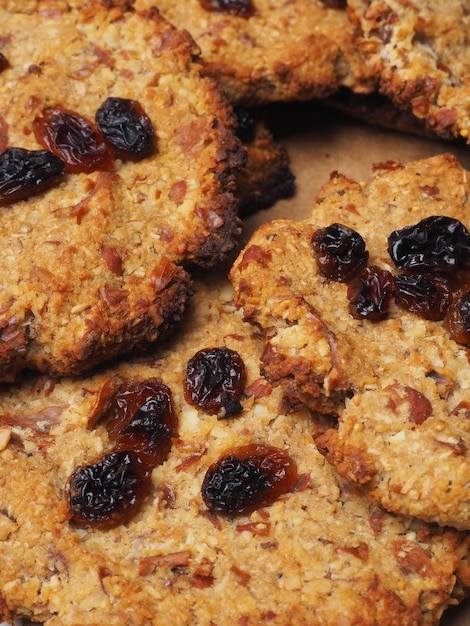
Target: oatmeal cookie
97 251
421 51
318 553
262 51
378 110
369 327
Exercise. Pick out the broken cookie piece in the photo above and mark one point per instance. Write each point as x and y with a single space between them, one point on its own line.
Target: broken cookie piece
373 335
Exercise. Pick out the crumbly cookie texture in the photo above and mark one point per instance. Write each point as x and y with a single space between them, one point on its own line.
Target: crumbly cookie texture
94 266
394 384
282 51
320 554
421 52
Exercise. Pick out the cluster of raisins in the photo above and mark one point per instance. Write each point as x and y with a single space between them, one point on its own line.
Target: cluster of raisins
433 257
141 423
341 255
72 143
250 476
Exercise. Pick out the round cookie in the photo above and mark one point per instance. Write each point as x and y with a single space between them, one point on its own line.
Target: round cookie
421 53
274 51
320 553
396 388
97 264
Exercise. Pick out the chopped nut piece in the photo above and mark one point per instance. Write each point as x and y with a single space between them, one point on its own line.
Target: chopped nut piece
5 434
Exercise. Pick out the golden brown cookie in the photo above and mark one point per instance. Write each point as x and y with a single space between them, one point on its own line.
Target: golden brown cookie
96 252
262 51
421 52
319 553
367 322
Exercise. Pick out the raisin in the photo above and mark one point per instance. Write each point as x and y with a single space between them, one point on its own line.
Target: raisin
457 319
140 417
215 381
74 139
127 128
340 252
24 173
425 295
241 8
436 243
3 62
334 4
249 477
108 492
370 294
153 423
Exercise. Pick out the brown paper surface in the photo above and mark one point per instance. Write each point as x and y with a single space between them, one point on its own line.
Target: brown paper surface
320 141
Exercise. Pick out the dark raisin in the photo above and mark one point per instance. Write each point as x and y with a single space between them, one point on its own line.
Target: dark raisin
127 128
340 252
423 294
24 173
74 139
153 423
241 8
3 62
334 4
108 492
248 478
370 294
140 416
215 380
246 124
457 319
436 243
